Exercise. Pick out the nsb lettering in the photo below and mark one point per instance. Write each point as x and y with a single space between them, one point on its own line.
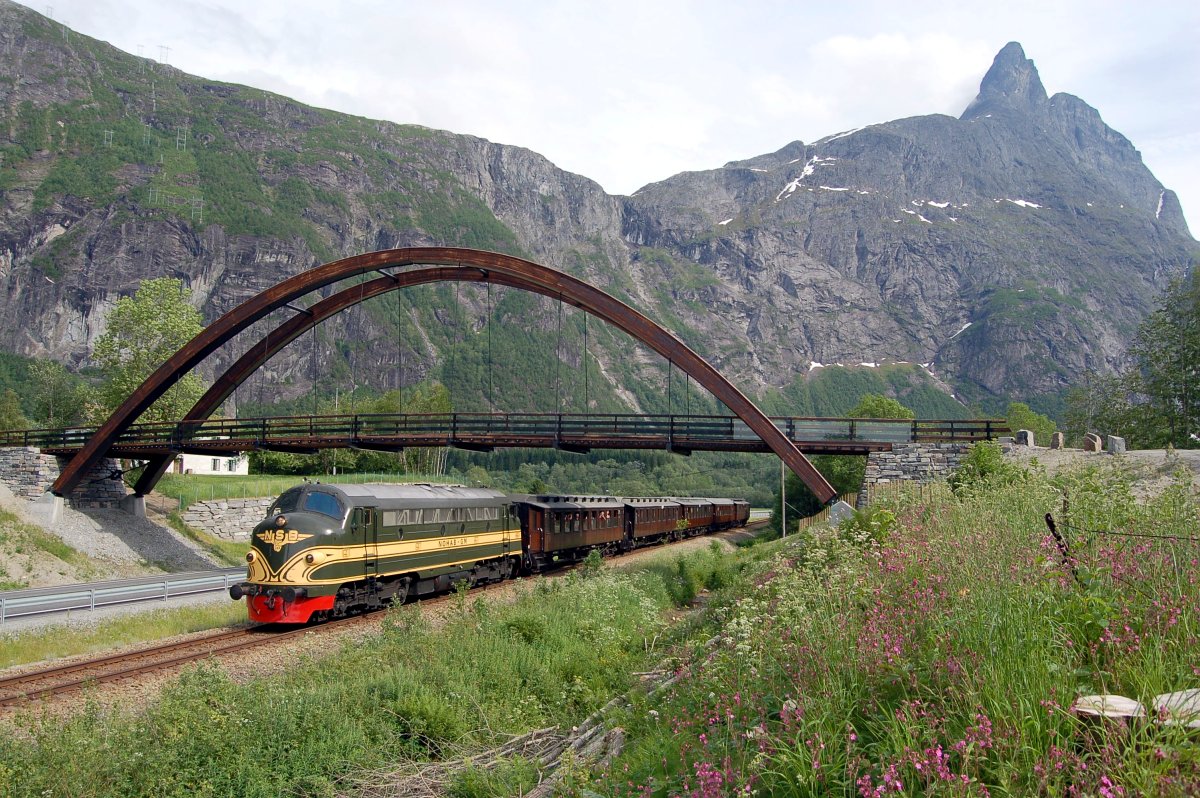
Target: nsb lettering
278 538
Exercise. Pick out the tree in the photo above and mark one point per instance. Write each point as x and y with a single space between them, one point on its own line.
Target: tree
57 394
1158 401
1167 353
1019 417
11 417
142 332
873 405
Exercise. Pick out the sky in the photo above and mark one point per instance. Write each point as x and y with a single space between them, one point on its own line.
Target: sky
630 92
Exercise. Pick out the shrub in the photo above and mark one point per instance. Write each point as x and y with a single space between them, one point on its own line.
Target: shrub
984 464
874 523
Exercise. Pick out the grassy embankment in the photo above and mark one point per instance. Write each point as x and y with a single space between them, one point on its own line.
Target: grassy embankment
24 545
53 642
938 649
413 692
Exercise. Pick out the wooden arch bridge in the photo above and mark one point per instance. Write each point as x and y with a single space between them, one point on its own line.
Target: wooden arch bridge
749 430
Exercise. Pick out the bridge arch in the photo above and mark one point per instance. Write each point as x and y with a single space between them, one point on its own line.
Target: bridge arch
458 264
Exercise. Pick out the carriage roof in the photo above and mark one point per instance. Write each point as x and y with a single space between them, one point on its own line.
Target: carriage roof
572 503
639 502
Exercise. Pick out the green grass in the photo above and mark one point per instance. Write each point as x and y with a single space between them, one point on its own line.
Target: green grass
61 641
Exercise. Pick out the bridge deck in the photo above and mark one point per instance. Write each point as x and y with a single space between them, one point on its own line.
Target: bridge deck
487 431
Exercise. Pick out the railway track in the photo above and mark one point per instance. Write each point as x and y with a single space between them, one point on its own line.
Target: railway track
49 682
59 679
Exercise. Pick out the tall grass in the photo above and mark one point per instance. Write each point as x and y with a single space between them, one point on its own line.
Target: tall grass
413 691
936 646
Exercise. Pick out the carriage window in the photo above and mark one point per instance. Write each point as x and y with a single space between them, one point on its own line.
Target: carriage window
323 503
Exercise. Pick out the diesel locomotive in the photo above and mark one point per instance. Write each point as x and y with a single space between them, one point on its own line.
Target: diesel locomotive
332 550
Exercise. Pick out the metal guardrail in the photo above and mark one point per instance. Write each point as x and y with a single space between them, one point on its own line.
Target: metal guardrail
90 596
505 429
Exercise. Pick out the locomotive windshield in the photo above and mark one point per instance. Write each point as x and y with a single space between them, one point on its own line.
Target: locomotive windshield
324 503
312 501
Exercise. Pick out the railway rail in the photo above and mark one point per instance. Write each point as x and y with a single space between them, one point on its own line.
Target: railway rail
25 602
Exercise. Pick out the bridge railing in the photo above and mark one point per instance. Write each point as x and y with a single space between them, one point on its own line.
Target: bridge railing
504 428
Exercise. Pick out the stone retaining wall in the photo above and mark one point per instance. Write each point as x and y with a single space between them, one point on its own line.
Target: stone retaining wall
912 462
29 473
229 519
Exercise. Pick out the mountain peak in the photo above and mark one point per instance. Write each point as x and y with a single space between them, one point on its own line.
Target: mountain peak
1012 82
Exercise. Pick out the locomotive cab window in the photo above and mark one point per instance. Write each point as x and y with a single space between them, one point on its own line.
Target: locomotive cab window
287 503
323 503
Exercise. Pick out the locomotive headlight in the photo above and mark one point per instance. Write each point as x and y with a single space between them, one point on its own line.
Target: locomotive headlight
310 558
281 521
250 555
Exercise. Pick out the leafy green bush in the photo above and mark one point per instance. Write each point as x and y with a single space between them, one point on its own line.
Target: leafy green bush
983 465
872 523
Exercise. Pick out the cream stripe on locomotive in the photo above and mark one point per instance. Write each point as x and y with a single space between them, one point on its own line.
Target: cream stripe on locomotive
298 570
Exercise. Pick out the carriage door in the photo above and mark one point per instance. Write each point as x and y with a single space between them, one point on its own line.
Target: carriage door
533 530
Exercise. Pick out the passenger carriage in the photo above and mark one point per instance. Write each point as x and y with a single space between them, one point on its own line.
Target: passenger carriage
651 520
562 529
724 513
696 514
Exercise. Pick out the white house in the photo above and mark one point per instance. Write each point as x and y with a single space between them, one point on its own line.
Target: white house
207 464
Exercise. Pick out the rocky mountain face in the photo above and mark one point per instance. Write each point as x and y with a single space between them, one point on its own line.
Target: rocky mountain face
1007 250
